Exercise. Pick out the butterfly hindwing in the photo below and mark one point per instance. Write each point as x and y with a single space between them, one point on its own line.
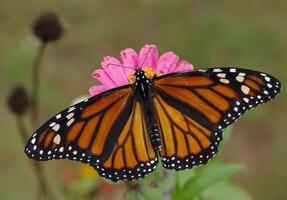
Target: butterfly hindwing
133 155
194 107
185 142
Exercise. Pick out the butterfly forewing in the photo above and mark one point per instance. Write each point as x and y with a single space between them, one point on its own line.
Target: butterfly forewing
194 107
86 131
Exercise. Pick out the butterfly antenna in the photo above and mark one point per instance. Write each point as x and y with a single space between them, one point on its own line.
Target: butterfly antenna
146 56
122 66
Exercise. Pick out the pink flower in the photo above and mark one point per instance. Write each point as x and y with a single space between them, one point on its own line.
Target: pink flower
112 75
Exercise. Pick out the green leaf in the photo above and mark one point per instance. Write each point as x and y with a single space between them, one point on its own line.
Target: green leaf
184 176
155 176
206 177
225 191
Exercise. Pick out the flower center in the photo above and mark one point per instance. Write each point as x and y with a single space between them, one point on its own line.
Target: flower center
149 73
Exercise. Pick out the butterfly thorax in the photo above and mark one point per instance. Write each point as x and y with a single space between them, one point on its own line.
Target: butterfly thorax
142 83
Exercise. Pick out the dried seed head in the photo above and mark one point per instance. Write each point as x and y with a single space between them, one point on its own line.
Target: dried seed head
48 27
18 101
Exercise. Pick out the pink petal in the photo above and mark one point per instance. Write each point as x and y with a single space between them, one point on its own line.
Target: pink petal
97 89
113 69
183 65
129 59
167 62
148 56
104 78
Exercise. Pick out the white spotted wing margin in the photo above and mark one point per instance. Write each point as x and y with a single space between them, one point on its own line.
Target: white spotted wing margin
253 88
39 147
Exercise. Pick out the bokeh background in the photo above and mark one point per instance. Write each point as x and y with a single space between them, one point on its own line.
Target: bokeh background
207 33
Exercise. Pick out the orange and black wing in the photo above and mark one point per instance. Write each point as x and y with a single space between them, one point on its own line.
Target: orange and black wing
92 131
133 156
194 107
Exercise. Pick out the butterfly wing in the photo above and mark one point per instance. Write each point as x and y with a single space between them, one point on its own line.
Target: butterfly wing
101 131
194 107
86 131
133 155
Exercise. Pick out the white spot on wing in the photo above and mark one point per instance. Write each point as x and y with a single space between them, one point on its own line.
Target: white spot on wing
33 140
57 139
56 127
217 70
71 108
240 78
52 124
70 121
223 80
61 149
69 116
245 89
267 78
221 75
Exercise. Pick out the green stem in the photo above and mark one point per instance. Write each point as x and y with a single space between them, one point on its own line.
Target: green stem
35 85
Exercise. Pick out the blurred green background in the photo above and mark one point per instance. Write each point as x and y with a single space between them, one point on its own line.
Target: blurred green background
243 33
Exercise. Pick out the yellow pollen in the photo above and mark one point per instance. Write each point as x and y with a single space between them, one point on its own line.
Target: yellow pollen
148 72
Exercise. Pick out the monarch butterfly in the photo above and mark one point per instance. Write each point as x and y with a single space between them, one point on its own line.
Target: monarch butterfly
178 117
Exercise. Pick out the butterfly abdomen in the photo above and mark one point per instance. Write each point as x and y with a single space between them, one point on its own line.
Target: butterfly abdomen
152 125
155 136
